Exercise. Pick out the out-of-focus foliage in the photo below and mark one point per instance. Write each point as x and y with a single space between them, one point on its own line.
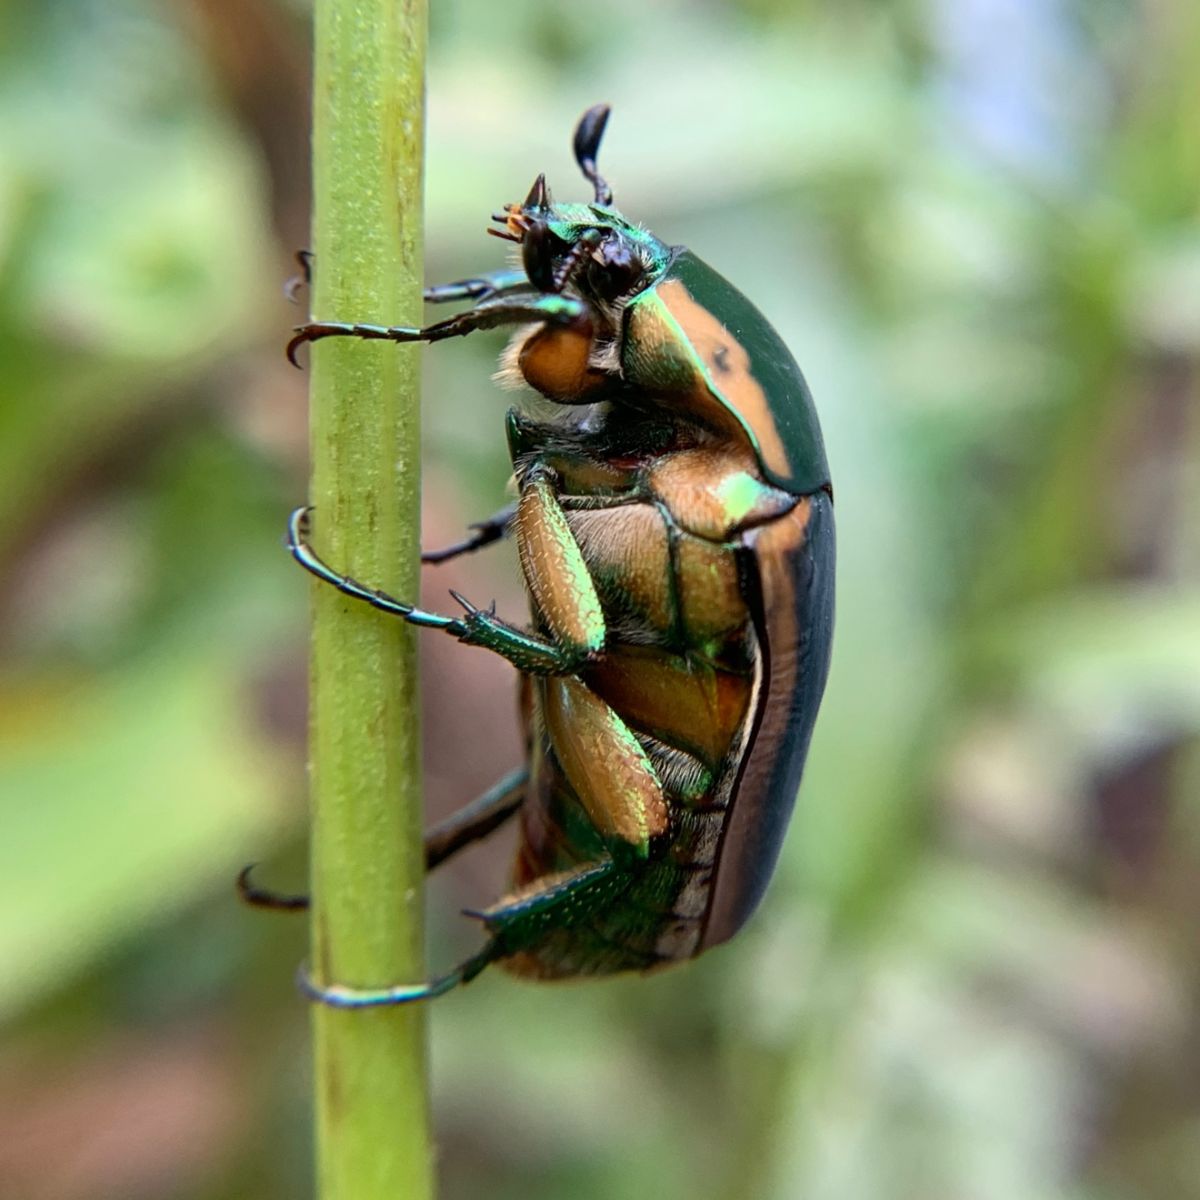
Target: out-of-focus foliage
976 223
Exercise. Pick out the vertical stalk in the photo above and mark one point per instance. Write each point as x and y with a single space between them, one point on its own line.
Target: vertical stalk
372 1139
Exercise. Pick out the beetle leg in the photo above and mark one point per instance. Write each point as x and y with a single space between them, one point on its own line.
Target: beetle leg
555 570
516 923
258 897
490 530
477 819
517 309
482 287
339 996
518 919
291 288
605 764
470 823
525 650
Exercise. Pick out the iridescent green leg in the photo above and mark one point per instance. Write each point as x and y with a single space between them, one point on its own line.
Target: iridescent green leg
470 823
526 651
500 310
487 531
516 923
482 287
337 996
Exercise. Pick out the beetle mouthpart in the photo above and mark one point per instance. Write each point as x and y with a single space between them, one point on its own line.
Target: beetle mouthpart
514 219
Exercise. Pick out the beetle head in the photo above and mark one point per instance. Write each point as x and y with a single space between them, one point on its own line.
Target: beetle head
588 247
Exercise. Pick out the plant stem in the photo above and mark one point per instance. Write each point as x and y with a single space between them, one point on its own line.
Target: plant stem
372 1138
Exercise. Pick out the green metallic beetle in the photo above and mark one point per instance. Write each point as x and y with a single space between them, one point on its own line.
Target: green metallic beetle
675 529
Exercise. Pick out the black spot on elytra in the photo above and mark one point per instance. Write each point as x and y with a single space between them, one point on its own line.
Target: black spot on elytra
720 359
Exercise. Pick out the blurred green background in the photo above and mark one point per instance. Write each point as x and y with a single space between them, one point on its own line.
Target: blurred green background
975 976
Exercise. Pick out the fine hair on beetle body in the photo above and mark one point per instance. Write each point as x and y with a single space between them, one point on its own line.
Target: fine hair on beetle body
674 525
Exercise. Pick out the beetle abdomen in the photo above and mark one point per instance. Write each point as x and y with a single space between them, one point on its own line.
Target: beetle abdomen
679 670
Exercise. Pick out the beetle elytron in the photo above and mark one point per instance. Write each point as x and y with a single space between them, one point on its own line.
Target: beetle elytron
675 530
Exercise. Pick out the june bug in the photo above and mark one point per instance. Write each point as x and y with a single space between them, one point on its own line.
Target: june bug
675 528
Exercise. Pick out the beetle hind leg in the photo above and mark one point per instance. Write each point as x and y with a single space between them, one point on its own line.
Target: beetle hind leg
339 996
518 923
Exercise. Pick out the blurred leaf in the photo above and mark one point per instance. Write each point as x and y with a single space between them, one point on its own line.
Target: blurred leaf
121 798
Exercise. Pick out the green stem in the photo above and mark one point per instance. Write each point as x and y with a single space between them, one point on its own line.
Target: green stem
372 1139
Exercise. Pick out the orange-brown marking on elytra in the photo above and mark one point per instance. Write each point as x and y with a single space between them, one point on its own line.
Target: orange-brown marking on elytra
603 763
690 705
728 365
627 554
555 361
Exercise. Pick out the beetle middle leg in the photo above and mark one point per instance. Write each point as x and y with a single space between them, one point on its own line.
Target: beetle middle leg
526 651
555 570
474 821
490 529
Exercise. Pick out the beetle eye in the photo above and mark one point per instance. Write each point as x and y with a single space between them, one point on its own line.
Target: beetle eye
539 247
616 273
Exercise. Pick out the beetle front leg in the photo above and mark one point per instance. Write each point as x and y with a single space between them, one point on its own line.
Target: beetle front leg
518 309
482 287
525 650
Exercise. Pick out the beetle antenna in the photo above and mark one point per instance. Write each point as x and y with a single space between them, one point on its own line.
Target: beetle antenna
588 133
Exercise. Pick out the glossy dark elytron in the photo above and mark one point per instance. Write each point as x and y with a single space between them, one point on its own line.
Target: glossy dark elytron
674 524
